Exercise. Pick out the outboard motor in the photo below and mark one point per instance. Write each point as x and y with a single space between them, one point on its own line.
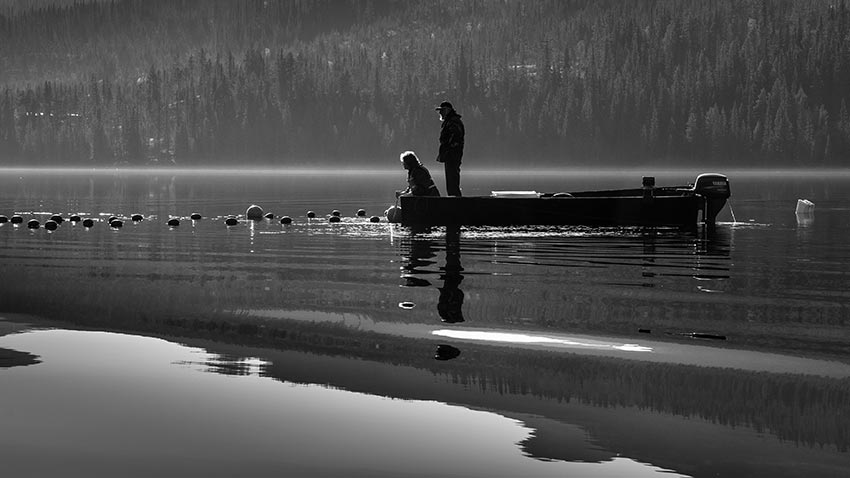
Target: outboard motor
714 188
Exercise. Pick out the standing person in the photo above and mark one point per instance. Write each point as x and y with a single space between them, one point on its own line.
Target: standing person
451 146
419 179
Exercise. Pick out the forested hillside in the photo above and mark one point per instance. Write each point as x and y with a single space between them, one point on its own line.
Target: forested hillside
548 82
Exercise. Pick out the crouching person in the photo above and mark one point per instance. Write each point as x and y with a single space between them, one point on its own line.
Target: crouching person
419 179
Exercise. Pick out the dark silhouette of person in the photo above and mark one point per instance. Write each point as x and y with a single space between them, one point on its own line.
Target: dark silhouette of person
419 180
450 304
451 146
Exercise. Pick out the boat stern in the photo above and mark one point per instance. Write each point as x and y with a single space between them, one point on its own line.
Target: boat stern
714 189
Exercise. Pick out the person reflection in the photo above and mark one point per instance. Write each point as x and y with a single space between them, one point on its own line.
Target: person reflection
420 255
450 304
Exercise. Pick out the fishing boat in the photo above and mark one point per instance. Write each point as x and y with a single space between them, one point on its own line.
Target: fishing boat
673 206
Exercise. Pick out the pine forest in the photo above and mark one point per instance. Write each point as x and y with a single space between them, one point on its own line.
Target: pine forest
351 83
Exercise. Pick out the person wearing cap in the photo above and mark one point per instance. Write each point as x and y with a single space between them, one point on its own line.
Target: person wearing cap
419 179
451 146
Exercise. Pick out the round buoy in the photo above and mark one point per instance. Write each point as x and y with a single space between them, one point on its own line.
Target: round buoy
335 212
286 220
231 221
361 213
33 224
137 217
55 218
75 218
174 222
116 223
88 223
254 212
17 219
269 215
406 305
195 216
374 219
334 219
393 214
311 214
51 225
3 219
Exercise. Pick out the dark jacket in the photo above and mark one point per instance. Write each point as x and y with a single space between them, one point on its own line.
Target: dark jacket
451 139
420 182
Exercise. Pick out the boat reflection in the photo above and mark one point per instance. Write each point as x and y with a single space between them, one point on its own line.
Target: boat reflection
546 276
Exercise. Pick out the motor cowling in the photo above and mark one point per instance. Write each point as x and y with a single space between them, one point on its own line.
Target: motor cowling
712 185
714 188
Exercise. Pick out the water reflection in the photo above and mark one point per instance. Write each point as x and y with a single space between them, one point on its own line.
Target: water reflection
140 405
419 256
805 219
703 254
228 364
446 352
13 358
418 253
603 395
450 304
537 339
649 240
333 292
563 277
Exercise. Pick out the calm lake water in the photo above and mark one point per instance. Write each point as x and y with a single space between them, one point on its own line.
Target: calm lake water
364 349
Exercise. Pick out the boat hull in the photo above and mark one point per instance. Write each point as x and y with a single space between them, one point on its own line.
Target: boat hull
678 211
678 206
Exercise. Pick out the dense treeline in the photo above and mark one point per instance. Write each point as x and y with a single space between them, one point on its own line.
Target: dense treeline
10 7
743 83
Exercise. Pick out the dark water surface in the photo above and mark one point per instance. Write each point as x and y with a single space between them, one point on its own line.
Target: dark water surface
363 349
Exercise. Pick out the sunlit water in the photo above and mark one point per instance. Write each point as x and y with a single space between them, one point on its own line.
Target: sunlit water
559 351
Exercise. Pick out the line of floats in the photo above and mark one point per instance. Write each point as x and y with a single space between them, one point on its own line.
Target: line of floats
253 213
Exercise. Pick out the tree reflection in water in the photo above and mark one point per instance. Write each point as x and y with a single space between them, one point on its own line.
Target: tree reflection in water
14 358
